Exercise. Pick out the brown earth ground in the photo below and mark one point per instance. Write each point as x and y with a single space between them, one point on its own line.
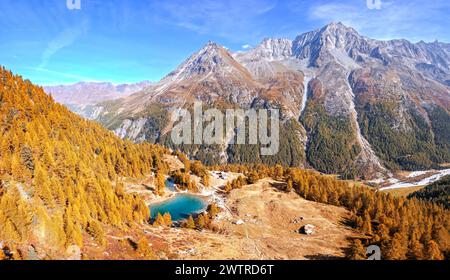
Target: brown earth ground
268 231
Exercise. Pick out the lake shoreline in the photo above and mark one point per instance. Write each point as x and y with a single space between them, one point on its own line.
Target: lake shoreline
180 205
207 196
172 195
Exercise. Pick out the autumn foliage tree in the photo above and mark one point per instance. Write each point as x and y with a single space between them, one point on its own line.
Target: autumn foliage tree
356 251
160 183
63 172
190 223
403 228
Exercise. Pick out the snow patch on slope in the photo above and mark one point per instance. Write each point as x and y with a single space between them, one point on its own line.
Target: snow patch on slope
424 182
305 93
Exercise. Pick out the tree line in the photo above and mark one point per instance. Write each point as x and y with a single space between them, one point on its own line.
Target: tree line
403 228
62 175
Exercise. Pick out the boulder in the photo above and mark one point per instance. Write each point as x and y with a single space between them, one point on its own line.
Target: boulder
308 229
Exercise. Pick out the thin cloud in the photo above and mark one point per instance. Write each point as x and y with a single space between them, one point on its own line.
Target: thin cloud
60 75
231 19
63 40
413 19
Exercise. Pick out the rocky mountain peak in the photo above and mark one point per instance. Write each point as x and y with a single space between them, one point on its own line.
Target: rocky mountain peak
212 46
273 49
337 26
331 77
334 37
211 59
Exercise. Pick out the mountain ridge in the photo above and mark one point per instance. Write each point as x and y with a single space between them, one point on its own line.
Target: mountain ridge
90 93
333 86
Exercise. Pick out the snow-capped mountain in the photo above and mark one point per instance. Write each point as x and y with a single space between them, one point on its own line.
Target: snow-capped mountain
350 104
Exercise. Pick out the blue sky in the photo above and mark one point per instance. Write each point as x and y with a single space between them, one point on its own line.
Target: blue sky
134 40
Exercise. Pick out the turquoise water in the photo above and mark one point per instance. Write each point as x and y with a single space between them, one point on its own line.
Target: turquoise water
170 185
179 207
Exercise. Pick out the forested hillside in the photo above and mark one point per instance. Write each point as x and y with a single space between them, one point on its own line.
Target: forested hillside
403 228
332 148
61 183
349 105
60 175
418 148
438 192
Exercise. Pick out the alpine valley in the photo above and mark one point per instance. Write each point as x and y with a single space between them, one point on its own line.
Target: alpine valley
350 105
89 171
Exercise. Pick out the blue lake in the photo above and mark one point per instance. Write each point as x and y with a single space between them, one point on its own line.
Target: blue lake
180 206
170 185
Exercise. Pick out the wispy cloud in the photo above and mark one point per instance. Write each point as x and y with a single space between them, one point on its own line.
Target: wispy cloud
60 76
246 46
64 39
414 19
232 19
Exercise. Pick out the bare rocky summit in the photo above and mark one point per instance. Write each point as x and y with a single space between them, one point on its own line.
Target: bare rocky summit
349 104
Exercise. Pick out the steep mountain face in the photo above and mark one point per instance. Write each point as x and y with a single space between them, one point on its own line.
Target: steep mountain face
390 96
216 78
59 174
349 104
263 61
81 97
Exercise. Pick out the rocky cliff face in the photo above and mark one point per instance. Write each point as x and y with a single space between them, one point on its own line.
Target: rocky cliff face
349 104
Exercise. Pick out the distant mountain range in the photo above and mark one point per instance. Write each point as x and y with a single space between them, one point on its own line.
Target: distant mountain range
81 97
349 104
